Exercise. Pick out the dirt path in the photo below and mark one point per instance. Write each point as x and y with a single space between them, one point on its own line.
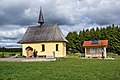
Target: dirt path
25 59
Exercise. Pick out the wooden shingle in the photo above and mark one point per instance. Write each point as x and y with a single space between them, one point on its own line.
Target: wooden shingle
43 33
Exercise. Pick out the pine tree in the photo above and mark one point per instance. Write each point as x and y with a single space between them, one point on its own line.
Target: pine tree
111 33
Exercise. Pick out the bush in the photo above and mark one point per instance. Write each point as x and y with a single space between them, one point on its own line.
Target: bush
82 55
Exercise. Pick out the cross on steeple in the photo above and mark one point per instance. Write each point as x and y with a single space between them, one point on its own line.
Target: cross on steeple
41 18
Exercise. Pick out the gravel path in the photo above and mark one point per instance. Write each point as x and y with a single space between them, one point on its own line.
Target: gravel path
25 59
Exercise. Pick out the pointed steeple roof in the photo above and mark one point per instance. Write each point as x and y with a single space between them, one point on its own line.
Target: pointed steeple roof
41 18
46 33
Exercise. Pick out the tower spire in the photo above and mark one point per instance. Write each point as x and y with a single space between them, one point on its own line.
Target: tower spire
41 18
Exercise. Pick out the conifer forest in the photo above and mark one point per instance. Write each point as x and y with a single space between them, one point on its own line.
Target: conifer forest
110 33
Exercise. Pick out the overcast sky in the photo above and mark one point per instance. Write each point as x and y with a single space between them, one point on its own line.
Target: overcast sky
71 15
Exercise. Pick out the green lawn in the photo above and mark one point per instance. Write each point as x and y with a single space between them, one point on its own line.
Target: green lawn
8 54
72 68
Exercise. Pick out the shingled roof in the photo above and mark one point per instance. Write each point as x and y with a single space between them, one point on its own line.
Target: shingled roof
43 33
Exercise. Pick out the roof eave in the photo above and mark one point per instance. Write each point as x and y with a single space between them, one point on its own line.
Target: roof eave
95 46
40 42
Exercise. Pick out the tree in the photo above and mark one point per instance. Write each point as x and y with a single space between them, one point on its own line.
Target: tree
111 33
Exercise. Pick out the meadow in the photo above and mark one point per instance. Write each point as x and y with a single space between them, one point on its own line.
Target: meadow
71 68
8 54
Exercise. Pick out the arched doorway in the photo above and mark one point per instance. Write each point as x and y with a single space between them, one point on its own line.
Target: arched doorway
29 51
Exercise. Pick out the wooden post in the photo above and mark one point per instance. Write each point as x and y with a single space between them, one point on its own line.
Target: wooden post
103 53
54 54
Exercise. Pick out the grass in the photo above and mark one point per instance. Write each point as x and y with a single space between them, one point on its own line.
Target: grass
71 68
8 54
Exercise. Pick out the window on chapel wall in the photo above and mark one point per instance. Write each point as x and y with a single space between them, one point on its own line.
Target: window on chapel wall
43 47
57 47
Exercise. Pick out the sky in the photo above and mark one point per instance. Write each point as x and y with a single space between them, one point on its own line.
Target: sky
71 15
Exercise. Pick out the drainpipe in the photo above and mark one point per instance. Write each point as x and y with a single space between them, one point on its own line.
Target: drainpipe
54 54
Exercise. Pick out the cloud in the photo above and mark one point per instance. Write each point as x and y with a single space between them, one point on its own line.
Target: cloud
102 12
12 32
10 45
19 12
11 35
71 15
62 12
